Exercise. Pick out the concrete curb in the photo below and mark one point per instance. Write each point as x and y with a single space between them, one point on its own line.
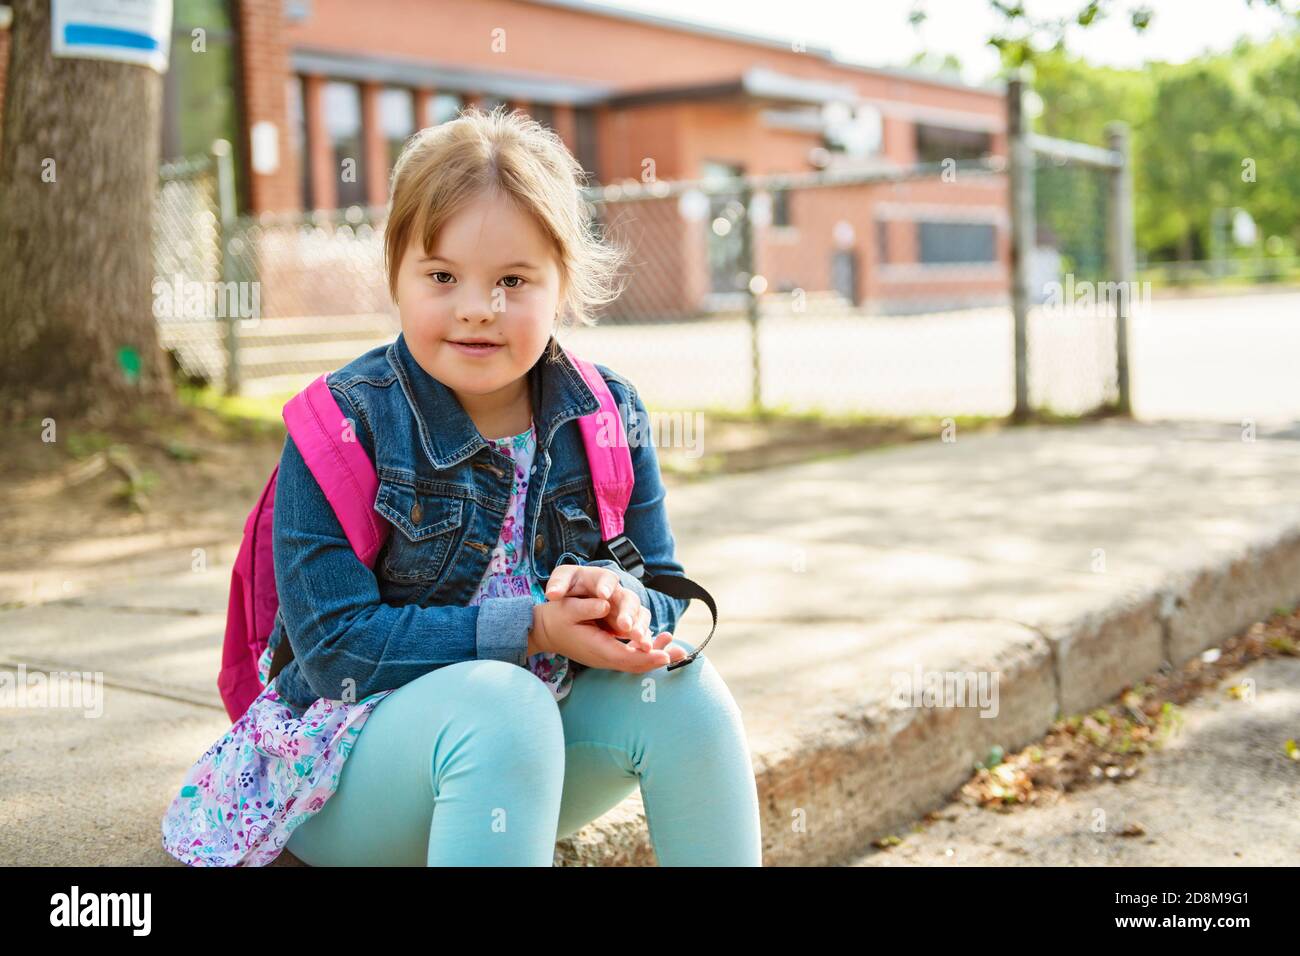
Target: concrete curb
874 769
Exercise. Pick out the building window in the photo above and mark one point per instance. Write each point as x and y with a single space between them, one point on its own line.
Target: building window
725 245
882 242
396 120
488 103
442 108
934 144
956 242
544 113
585 132
298 137
343 124
199 88
780 207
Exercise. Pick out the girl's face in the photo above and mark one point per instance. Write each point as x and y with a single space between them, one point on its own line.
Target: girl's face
493 277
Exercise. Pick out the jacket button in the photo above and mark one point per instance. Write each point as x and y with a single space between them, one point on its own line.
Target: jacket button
538 543
416 513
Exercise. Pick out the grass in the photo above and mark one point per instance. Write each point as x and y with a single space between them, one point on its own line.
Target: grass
747 440
819 415
1163 280
243 414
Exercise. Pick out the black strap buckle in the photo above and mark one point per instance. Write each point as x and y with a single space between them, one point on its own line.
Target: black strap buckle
626 555
623 551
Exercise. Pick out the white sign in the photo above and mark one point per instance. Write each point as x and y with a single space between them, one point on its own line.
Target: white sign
266 148
693 205
129 31
1243 228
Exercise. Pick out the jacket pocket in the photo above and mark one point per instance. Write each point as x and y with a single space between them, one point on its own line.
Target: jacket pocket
426 532
574 526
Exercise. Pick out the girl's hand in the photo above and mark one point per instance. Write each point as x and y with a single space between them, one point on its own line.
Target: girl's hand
568 627
627 619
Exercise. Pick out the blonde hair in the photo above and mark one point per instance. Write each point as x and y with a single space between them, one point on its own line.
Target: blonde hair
443 168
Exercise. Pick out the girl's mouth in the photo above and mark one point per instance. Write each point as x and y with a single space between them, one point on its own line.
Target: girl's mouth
475 349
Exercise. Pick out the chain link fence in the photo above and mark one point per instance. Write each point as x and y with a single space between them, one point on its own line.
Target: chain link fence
871 291
263 304
1072 347
321 290
832 291
187 259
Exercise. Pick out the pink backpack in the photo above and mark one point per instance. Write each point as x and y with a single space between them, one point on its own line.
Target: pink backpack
347 477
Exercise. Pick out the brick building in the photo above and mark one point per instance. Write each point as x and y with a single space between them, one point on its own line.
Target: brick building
302 87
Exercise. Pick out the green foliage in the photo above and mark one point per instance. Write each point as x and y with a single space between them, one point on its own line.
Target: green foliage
82 445
1198 130
1219 132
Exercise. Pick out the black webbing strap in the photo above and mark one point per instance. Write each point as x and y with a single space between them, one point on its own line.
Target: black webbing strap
626 555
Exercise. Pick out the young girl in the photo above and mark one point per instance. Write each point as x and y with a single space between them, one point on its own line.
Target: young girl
488 687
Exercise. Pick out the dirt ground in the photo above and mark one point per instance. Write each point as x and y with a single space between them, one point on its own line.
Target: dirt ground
88 500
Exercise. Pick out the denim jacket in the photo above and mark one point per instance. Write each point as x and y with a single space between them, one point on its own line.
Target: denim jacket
444 490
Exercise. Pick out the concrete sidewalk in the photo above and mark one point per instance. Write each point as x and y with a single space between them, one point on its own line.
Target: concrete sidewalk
1064 562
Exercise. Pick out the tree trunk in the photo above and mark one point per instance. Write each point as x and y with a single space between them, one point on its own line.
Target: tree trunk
78 179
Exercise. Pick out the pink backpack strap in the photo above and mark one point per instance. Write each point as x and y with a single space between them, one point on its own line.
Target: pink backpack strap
340 466
613 478
610 462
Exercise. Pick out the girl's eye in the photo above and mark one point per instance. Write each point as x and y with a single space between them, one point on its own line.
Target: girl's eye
435 275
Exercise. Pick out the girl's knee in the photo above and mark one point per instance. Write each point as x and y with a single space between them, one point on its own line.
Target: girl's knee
500 699
509 682
694 694
511 706
487 682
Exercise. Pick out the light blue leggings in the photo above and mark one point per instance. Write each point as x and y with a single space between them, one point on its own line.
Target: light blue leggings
477 764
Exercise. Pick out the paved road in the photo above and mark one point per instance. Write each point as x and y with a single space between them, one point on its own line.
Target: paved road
1223 359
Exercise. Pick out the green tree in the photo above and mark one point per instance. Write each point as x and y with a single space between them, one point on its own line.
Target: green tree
1270 127
1200 132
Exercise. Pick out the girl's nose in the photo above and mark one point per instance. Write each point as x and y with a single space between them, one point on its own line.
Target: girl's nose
475 307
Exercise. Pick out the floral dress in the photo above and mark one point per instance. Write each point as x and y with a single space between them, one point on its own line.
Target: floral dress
274 769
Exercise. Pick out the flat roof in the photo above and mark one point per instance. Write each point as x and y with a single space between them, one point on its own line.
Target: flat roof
755 83
535 88
739 36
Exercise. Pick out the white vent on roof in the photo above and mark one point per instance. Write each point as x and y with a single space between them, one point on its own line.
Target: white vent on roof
856 131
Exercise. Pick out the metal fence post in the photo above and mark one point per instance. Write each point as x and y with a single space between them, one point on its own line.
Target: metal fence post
1020 174
225 163
751 297
1122 254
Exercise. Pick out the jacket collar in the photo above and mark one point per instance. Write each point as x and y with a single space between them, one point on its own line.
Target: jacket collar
447 433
